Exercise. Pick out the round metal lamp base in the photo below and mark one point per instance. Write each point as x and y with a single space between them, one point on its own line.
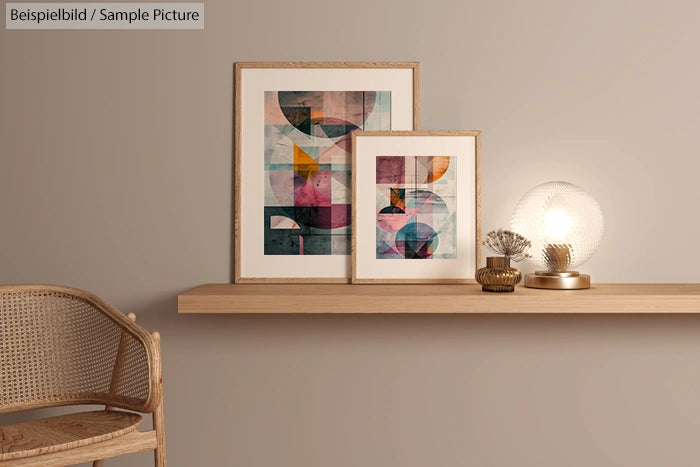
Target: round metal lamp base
561 281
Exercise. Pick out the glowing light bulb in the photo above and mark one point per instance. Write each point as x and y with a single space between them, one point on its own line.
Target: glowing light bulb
556 225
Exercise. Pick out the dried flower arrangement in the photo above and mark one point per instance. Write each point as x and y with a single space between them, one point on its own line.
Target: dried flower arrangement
509 244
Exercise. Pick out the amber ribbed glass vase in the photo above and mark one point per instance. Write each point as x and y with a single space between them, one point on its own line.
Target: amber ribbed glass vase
498 276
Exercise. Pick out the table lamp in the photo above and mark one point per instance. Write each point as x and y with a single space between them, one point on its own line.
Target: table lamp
565 225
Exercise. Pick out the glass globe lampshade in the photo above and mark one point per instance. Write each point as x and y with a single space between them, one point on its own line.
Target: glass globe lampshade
565 225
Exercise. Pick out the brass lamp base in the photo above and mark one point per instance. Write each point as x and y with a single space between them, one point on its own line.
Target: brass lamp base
569 280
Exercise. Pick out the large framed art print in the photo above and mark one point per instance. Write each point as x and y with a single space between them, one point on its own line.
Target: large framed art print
416 206
293 161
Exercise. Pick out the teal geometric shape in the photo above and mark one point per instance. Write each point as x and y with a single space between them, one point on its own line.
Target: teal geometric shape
285 129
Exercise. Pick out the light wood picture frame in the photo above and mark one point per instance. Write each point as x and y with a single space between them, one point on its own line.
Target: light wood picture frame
416 207
292 161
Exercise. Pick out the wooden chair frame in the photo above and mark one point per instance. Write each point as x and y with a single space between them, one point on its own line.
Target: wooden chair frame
123 370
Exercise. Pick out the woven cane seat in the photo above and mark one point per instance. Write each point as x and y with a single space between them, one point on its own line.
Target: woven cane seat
47 435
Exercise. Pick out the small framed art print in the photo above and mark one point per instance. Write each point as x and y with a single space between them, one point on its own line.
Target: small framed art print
416 206
292 143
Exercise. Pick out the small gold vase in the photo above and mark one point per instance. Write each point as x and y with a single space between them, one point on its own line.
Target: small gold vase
498 276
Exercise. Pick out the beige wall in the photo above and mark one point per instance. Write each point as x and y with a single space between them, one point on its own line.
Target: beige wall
116 178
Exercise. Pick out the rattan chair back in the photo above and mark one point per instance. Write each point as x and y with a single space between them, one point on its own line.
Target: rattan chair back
62 346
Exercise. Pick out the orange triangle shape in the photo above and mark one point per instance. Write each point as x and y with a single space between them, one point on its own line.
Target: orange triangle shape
304 165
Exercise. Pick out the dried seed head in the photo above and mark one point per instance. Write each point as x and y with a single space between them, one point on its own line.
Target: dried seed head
508 243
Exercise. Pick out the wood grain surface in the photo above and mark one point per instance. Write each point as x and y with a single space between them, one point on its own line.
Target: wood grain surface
135 441
354 298
63 432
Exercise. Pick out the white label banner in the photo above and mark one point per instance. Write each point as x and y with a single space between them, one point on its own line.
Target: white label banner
104 16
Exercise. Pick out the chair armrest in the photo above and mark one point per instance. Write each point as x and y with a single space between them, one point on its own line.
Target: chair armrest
138 360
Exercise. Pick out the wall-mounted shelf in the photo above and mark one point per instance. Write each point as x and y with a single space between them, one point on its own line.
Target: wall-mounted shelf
347 298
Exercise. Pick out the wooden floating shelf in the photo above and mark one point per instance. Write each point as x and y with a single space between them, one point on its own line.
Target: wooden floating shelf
354 298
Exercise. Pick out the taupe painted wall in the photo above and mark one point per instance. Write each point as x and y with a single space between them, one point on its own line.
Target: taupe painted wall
116 178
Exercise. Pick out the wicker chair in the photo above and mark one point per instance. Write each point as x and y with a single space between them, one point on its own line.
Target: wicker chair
61 346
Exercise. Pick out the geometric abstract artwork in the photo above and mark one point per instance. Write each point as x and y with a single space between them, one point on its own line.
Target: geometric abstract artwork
416 207
307 167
